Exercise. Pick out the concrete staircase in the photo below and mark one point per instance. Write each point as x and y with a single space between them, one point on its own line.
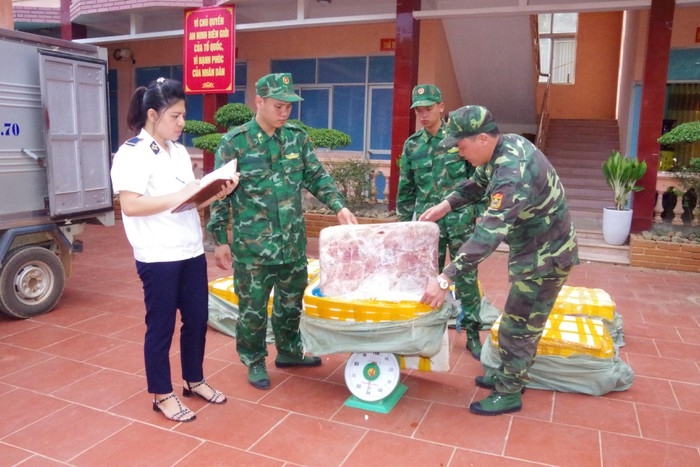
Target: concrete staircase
577 150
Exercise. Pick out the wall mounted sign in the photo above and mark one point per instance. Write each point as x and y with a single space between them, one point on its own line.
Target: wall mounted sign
209 50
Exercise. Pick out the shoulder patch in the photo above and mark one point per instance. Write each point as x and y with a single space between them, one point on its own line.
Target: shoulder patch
496 201
133 141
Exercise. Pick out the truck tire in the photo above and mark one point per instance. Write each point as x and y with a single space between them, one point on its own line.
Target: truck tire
32 280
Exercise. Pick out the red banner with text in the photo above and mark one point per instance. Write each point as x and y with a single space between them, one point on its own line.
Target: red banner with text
209 50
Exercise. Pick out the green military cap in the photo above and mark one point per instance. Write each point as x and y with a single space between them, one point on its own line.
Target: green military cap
425 95
467 121
278 86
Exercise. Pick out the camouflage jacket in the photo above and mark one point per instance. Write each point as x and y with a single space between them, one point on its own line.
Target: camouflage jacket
427 174
527 210
266 207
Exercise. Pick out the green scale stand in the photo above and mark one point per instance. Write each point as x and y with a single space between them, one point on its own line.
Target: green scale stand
373 380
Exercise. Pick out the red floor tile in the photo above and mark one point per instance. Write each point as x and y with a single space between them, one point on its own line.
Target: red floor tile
68 432
80 367
378 448
553 443
623 451
309 441
139 445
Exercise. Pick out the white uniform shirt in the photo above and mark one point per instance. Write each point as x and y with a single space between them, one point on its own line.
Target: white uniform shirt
143 167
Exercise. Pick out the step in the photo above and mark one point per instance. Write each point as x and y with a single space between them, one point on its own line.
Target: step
576 154
587 192
595 146
579 172
587 204
596 251
561 162
600 252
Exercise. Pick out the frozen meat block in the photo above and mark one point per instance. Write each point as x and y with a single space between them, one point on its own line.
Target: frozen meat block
391 261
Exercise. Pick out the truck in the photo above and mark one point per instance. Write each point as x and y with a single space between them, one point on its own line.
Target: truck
54 164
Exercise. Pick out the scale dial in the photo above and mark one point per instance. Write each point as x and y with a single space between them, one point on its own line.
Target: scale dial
372 376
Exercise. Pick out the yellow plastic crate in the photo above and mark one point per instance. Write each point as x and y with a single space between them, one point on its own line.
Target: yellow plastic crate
366 311
223 287
595 303
570 335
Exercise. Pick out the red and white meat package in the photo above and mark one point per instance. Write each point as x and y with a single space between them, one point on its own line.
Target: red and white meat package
392 261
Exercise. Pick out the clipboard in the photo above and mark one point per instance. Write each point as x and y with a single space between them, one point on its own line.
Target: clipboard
209 185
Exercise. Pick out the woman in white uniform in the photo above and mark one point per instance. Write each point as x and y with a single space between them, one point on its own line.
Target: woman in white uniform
152 174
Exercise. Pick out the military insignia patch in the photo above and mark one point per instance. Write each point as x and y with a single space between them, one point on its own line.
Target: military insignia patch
133 141
285 79
496 201
294 155
155 148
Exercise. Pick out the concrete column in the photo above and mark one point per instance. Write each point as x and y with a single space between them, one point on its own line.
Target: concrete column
405 78
652 110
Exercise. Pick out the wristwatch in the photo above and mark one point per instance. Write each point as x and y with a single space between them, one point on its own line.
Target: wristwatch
444 283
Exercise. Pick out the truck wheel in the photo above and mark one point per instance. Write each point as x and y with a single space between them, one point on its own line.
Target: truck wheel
31 282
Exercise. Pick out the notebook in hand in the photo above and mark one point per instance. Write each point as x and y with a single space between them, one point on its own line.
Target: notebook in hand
209 186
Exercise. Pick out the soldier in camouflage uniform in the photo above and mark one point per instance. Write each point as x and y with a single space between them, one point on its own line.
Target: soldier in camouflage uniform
428 173
275 160
527 209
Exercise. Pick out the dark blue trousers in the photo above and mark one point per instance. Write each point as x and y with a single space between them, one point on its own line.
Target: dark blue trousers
167 287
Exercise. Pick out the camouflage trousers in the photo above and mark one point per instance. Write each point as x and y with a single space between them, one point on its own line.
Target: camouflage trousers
522 323
466 283
253 284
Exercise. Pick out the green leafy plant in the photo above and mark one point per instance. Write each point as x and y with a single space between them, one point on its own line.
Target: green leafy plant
622 173
324 137
207 142
198 128
232 115
687 132
353 178
689 176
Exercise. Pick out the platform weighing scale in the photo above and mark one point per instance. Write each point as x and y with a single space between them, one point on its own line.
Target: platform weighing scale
373 380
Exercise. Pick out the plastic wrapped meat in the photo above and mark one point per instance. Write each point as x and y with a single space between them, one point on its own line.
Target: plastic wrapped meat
391 261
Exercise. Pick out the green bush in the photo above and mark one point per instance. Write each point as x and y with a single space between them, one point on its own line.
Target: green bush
232 115
208 142
328 138
324 137
687 132
198 128
353 178
689 176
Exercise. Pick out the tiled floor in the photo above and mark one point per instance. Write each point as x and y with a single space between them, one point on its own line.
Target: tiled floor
73 389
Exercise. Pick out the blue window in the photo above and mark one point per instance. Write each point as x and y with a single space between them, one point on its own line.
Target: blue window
342 70
303 71
316 107
348 104
381 69
337 95
380 123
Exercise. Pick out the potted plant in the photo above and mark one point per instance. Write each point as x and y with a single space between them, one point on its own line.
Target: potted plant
621 173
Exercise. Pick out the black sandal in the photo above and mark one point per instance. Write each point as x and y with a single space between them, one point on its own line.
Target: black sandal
188 390
180 415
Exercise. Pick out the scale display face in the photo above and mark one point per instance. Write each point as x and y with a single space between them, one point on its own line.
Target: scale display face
372 376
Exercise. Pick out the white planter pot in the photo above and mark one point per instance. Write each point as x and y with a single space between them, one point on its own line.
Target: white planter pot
616 225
